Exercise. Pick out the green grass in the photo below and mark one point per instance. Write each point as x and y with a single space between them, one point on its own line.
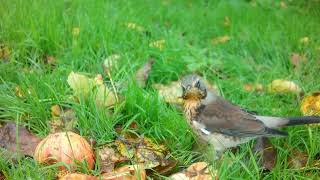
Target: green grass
262 39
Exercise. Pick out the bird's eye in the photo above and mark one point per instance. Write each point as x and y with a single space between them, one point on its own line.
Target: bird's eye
183 88
197 85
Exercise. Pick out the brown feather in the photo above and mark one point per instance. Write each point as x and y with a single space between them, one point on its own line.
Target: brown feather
224 117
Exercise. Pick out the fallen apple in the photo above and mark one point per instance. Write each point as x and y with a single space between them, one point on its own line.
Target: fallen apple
77 176
66 147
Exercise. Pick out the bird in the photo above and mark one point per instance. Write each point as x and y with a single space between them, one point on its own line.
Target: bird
223 124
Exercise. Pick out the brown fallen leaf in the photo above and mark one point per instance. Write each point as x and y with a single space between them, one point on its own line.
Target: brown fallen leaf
253 3
18 139
119 127
160 44
220 40
171 93
4 52
143 151
315 163
297 60
50 59
98 79
267 153
196 169
283 5
164 170
62 119
75 31
19 92
297 159
283 86
304 40
248 87
143 73
83 86
2 176
151 155
128 172
55 110
108 157
105 97
253 87
226 21
80 84
111 62
134 26
310 105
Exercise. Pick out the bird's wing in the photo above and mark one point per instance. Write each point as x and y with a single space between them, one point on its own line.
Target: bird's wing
226 118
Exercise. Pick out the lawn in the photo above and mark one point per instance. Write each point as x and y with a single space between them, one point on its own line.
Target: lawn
229 42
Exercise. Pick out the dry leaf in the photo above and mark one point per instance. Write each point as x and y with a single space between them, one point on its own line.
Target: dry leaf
2 176
135 27
98 79
304 40
50 59
165 169
4 52
258 87
283 86
78 176
283 5
196 169
62 119
111 62
104 97
108 157
310 105
55 110
267 153
171 93
119 127
297 59
128 172
83 86
297 159
19 92
220 40
253 3
143 151
151 155
226 21
80 84
75 31
160 44
12 137
143 73
253 87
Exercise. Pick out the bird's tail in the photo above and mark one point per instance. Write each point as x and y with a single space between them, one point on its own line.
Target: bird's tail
293 121
276 122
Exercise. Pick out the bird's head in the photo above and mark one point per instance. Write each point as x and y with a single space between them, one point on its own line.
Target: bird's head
193 88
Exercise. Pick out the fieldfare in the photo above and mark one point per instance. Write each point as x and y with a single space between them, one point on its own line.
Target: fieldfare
225 125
